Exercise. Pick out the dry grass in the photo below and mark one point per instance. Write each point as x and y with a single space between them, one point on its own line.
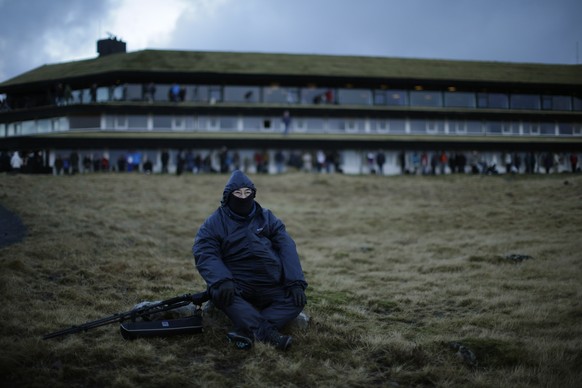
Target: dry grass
399 269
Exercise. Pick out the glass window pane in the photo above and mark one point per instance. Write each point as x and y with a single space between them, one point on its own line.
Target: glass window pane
314 124
28 127
162 122
460 99
494 127
317 96
474 127
397 125
426 98
497 101
562 103
163 92
426 126
577 104
134 92
548 128
279 95
137 122
102 94
252 123
379 97
227 123
531 128
198 93
565 128
241 94
44 125
525 101
355 96
215 94
85 122
397 97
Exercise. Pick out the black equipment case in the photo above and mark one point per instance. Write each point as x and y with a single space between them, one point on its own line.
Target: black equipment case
163 328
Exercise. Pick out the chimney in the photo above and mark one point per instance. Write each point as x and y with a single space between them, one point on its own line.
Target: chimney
111 45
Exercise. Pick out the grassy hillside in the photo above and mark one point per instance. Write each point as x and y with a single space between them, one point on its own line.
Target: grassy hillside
406 275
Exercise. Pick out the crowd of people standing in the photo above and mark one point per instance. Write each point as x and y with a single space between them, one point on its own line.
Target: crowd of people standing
224 160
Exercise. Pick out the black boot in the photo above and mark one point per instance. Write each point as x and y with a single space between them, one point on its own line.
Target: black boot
278 340
240 341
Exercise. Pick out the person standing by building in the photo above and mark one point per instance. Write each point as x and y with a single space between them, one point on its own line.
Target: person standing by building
574 162
16 162
286 121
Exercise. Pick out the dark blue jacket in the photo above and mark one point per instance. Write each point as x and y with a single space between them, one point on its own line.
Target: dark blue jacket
255 250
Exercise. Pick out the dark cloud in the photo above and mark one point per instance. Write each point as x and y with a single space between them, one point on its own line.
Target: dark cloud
494 30
497 30
28 29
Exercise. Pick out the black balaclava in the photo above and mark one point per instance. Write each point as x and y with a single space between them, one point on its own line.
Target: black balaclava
241 206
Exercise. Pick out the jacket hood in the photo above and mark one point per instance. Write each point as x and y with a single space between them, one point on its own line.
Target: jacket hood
237 181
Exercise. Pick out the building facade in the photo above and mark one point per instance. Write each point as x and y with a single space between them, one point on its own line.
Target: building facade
200 110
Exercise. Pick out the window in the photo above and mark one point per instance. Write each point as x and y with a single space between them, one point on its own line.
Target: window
137 122
241 94
494 127
120 121
317 96
355 96
44 125
252 123
299 125
525 101
493 100
457 126
509 127
396 97
215 94
28 127
426 126
162 122
426 98
227 122
381 126
556 102
102 94
379 97
314 124
565 129
133 92
61 124
531 128
460 99
474 127
198 93
82 122
397 125
278 95
577 104
548 128
179 123
577 129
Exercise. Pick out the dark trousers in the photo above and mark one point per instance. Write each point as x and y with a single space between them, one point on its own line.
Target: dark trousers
256 311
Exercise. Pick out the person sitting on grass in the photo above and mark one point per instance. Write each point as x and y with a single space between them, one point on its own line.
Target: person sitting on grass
251 267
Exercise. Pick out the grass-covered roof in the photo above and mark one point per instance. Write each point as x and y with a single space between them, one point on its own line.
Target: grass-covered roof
295 65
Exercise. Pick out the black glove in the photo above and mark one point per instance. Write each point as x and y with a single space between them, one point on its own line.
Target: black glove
298 295
223 295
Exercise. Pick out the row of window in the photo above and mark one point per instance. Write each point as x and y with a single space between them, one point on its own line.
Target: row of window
165 123
311 95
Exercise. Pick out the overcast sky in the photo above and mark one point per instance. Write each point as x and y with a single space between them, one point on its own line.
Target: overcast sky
37 32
